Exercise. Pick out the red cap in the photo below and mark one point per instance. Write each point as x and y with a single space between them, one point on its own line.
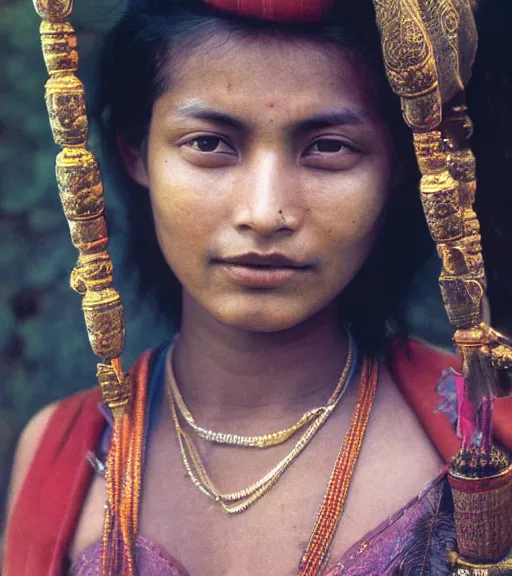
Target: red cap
281 10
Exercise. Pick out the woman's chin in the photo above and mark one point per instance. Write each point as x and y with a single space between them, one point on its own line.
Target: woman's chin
262 320
254 313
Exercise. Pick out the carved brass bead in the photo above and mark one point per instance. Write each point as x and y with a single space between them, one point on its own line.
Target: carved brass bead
440 198
96 270
59 46
429 151
114 393
80 186
104 319
463 300
89 235
458 262
462 166
66 108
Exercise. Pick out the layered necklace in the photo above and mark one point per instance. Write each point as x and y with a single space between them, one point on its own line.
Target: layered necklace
316 553
235 502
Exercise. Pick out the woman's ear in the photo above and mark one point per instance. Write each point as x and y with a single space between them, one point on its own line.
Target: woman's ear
134 161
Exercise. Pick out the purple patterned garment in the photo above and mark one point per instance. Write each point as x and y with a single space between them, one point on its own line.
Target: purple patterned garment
379 553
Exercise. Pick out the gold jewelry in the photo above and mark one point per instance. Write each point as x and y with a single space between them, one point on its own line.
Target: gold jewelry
266 440
236 502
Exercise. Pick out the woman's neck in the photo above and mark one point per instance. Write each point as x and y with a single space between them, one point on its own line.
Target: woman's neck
226 370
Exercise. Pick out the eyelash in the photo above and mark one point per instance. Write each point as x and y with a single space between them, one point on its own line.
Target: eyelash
342 144
191 143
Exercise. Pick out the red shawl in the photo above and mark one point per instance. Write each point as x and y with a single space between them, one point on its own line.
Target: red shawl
49 504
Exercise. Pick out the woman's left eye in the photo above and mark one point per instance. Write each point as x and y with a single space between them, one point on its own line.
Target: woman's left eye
327 146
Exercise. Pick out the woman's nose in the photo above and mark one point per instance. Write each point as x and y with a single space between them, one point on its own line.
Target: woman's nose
267 200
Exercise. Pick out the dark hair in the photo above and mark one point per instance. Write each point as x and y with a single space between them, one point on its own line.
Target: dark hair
489 98
129 82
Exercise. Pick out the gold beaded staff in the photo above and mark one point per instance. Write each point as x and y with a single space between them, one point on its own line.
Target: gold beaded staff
429 48
81 193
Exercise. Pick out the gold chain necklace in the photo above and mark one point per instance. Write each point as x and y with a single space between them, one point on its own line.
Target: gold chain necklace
236 502
266 440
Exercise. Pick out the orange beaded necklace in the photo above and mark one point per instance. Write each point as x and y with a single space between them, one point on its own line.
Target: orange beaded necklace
317 551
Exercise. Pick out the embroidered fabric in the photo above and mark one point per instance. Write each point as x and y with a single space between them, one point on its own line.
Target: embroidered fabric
378 553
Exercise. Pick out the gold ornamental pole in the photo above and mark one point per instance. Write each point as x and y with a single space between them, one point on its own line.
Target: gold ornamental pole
81 193
429 48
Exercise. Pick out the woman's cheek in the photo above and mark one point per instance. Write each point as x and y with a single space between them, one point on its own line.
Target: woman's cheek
352 221
350 204
177 222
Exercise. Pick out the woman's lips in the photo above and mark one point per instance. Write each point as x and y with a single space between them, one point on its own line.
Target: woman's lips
261 276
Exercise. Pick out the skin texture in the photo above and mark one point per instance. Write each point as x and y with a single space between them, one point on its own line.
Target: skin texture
275 184
253 360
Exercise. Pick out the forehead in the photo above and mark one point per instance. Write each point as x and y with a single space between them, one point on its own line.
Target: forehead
292 77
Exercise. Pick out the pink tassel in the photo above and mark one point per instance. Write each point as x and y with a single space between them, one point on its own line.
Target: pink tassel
471 421
466 423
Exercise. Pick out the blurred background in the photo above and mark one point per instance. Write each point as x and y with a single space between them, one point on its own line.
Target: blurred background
44 351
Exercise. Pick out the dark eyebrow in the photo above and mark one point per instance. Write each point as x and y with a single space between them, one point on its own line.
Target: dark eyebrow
196 110
336 117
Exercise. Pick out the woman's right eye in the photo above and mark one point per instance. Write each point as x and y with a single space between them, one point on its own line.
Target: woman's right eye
210 145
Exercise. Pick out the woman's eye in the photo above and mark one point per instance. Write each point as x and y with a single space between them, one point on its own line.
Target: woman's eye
327 146
330 154
210 144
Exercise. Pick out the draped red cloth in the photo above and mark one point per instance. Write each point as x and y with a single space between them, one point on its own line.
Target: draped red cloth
280 10
48 508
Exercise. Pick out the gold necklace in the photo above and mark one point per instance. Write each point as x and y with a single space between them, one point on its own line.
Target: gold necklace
266 440
236 502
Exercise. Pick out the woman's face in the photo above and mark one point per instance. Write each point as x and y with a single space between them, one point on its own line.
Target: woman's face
268 167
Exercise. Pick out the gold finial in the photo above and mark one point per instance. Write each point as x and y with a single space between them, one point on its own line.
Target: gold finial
53 9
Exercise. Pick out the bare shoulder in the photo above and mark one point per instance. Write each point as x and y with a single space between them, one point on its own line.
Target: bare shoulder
27 445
